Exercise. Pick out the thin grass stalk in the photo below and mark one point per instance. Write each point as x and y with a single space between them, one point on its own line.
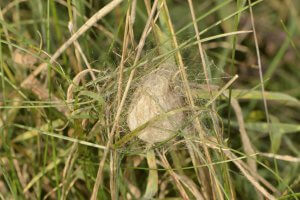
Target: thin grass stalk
234 41
190 98
110 140
174 176
259 67
88 24
114 153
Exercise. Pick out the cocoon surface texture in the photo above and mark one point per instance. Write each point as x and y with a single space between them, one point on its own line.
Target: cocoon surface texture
155 96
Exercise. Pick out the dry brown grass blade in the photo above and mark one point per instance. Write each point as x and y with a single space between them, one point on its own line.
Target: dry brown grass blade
222 90
138 54
189 184
174 176
79 50
113 174
76 81
260 178
91 21
76 68
111 134
98 26
114 154
68 165
131 22
124 53
71 185
212 143
201 51
286 158
247 146
148 8
250 178
157 36
190 99
51 192
225 45
259 65
244 168
201 173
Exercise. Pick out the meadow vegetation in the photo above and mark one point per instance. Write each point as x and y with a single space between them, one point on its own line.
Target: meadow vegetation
152 99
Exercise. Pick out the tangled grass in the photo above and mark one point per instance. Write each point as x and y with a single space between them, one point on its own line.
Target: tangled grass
149 99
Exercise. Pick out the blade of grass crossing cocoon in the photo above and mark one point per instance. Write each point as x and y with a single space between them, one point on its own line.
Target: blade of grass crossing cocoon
119 110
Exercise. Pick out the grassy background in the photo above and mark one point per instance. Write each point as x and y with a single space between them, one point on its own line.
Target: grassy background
55 127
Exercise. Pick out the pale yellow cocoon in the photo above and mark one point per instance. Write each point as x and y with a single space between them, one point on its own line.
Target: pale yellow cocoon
154 96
